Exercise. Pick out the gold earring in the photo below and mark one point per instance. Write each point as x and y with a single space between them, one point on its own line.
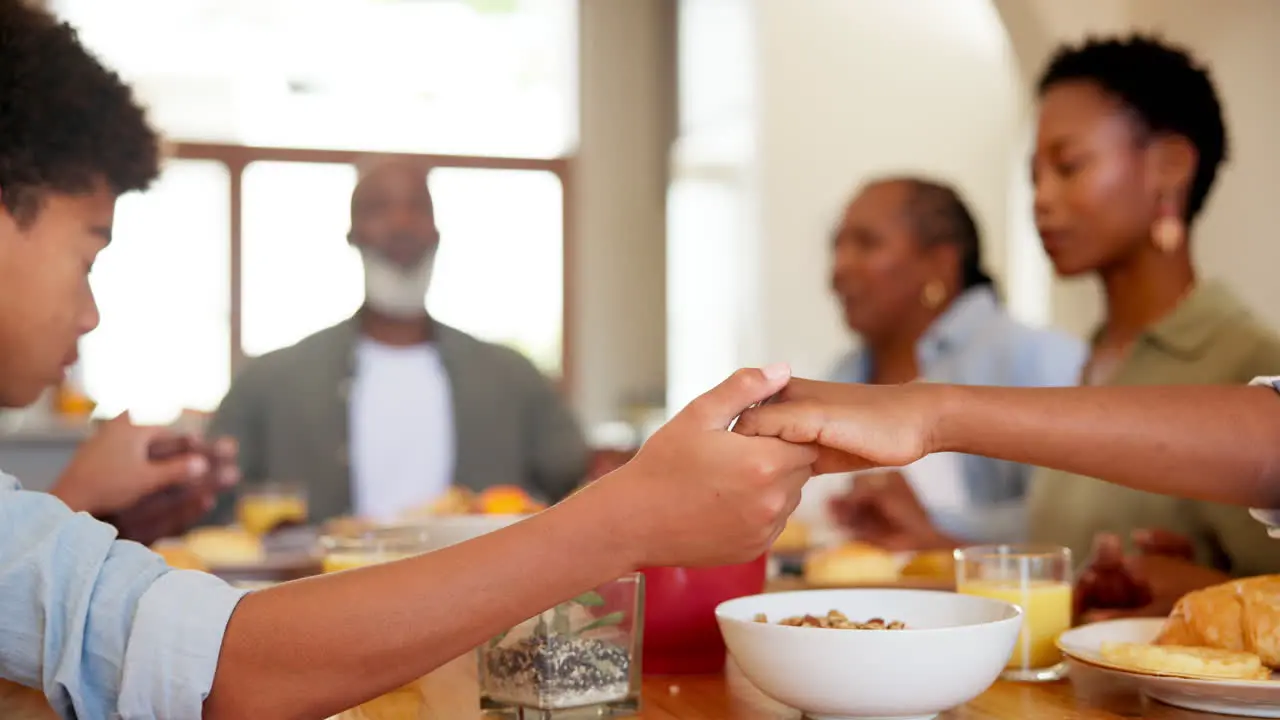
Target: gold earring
933 294
1168 231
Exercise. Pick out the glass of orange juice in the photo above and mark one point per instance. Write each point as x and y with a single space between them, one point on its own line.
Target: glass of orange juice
450 691
1035 578
264 507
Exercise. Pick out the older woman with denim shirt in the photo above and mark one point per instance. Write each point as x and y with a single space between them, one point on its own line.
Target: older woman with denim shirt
908 275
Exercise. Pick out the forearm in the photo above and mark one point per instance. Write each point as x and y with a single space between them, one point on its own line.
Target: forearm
71 498
316 647
1210 443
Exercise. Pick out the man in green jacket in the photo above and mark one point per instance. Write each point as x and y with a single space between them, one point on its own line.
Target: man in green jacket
381 413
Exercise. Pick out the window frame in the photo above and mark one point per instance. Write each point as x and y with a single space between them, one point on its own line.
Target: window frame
238 157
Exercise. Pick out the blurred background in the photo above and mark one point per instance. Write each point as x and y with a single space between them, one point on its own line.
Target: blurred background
636 194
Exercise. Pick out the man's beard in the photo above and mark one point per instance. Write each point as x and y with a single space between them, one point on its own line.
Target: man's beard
396 290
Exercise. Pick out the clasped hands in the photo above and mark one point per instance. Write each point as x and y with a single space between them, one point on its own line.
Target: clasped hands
147 481
852 426
858 427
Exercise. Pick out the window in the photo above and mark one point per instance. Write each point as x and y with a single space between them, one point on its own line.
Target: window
270 102
500 271
174 326
499 274
299 273
163 287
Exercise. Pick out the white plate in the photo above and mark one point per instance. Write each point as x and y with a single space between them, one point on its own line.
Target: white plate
1246 698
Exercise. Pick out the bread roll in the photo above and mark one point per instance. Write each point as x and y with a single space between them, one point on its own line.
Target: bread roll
932 564
1240 616
851 563
180 557
225 546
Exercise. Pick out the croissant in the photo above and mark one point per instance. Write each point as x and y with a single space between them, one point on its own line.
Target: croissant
1241 615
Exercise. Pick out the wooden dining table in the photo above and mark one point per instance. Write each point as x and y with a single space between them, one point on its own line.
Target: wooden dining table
1085 695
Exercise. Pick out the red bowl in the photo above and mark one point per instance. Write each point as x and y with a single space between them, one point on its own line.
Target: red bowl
681 635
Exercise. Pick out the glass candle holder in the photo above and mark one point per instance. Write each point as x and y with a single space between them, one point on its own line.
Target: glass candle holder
580 658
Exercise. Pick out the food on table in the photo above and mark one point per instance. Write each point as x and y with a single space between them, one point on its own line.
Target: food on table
456 501
835 620
1240 615
261 513
507 500
180 557
224 546
933 564
407 701
794 537
347 526
1046 607
497 500
851 563
1183 660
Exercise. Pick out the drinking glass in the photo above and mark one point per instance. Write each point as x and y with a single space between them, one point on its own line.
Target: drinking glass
1035 578
263 508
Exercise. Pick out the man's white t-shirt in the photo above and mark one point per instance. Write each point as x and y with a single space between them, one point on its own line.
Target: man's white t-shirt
401 426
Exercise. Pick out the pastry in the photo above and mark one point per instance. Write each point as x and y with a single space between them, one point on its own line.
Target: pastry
850 563
1202 662
933 564
456 501
180 557
1241 615
225 546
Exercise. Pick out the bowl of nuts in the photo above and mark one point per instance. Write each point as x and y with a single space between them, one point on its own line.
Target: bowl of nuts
870 653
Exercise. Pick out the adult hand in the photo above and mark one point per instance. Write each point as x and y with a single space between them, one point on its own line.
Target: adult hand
855 426
175 509
1145 584
113 469
881 508
697 494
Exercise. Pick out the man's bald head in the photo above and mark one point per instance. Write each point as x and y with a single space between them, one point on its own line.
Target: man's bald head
392 212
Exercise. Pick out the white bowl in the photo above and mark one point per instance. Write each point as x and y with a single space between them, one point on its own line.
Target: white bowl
953 649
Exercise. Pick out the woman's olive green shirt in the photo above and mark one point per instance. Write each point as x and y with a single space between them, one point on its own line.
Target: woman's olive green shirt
1210 339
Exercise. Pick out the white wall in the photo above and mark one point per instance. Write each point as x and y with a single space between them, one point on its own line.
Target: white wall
1237 238
844 91
1237 40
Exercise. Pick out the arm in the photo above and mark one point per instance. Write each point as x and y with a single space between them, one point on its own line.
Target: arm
109 631
95 623
312 648
1207 443
1247 548
693 496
